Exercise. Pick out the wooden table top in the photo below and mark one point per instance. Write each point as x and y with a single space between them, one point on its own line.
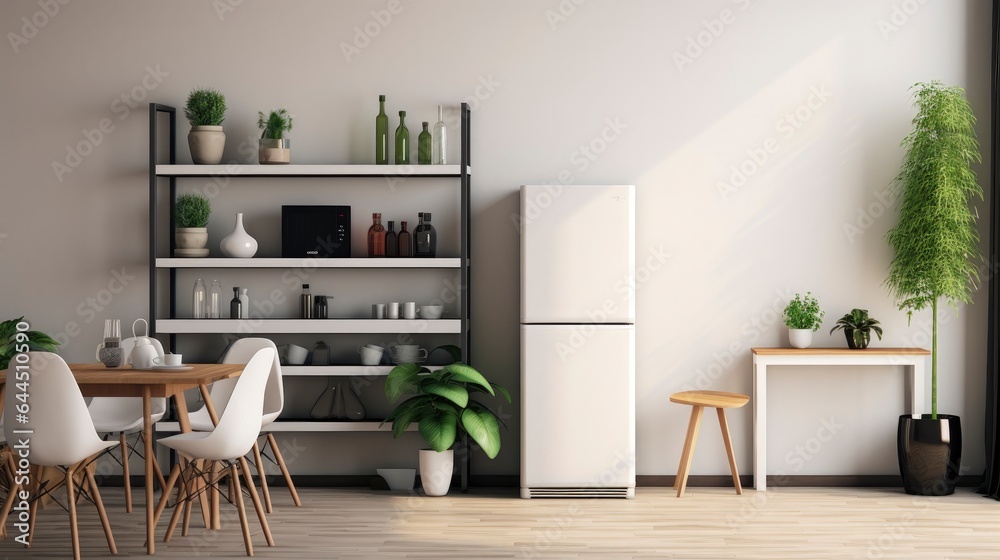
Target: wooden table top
839 351
96 380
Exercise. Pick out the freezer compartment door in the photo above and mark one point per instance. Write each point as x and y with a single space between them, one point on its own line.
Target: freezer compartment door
578 406
577 254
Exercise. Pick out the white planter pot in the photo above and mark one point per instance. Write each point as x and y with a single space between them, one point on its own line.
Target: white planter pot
800 338
435 471
191 238
274 151
206 144
239 244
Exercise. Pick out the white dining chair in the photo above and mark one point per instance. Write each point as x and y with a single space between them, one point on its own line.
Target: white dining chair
62 436
225 444
122 416
240 352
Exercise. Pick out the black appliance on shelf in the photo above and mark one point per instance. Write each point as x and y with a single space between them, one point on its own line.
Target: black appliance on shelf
316 231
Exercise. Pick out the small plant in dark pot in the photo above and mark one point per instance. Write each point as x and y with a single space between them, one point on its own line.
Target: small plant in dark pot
858 328
935 246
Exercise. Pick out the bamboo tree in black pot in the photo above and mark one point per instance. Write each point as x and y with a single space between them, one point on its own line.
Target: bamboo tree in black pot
936 247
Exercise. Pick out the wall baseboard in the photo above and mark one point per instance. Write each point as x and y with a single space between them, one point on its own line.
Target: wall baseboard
649 481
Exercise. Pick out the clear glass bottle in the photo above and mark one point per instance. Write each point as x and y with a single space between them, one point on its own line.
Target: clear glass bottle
381 134
391 250
306 303
215 300
402 141
404 249
376 237
425 238
244 304
440 150
198 300
424 146
235 307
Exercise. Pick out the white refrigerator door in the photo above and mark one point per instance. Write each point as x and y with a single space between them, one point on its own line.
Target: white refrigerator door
578 406
577 254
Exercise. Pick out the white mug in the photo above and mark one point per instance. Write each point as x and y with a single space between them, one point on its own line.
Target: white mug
168 360
392 310
370 356
297 355
409 310
378 311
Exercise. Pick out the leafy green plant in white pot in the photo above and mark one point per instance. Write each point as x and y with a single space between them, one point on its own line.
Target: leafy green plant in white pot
936 249
443 407
803 317
274 147
205 110
191 212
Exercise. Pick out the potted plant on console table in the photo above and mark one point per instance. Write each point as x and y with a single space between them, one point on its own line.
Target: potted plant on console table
935 244
442 405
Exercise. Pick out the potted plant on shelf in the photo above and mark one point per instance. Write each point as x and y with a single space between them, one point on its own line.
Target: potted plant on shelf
802 316
13 341
858 328
205 110
442 405
274 147
935 245
191 213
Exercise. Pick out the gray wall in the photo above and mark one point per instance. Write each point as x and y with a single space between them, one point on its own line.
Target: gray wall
810 99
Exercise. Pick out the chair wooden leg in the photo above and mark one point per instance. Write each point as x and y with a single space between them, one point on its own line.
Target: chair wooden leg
178 508
159 474
256 501
284 469
174 473
96 495
206 510
262 476
74 531
192 487
35 484
125 474
729 450
234 476
216 498
15 488
684 457
690 441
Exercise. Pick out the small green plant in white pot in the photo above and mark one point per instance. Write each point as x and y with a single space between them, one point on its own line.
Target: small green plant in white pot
274 147
191 212
205 110
803 316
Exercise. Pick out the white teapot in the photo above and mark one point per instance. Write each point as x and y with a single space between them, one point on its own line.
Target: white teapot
144 354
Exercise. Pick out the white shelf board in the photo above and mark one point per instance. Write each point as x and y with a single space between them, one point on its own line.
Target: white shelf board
307 263
292 170
307 326
307 426
331 371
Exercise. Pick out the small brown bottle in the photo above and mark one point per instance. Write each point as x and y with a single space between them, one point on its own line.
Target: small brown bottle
376 237
403 242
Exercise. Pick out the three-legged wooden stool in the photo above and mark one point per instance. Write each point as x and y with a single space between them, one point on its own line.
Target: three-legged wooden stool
699 400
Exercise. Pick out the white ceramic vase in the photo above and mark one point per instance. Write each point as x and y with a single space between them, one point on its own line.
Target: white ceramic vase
800 338
436 468
239 244
206 144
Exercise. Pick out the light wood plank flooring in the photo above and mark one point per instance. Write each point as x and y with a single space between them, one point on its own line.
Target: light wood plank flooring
708 523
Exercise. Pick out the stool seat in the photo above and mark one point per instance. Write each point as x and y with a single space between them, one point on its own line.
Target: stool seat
714 399
698 400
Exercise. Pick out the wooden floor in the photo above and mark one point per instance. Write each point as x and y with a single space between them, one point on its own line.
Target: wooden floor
708 523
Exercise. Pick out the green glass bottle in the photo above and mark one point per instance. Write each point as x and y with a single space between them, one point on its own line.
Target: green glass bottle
381 134
402 141
424 146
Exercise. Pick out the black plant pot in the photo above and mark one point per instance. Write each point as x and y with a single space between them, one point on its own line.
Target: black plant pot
930 453
856 340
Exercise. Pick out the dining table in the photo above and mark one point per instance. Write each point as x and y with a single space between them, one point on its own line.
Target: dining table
97 380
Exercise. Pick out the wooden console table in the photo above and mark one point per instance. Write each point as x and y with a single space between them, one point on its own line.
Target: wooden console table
913 358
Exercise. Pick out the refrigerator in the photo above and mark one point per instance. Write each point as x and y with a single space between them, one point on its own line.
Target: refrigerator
577 341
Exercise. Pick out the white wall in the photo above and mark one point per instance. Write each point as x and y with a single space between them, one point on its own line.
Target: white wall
818 88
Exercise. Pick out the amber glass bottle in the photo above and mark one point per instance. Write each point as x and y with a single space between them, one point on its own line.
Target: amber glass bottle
376 237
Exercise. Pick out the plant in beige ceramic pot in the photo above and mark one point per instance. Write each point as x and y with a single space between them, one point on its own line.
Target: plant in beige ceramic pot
191 212
205 110
274 147
803 316
442 404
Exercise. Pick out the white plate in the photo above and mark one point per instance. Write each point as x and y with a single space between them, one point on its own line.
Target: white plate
166 368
